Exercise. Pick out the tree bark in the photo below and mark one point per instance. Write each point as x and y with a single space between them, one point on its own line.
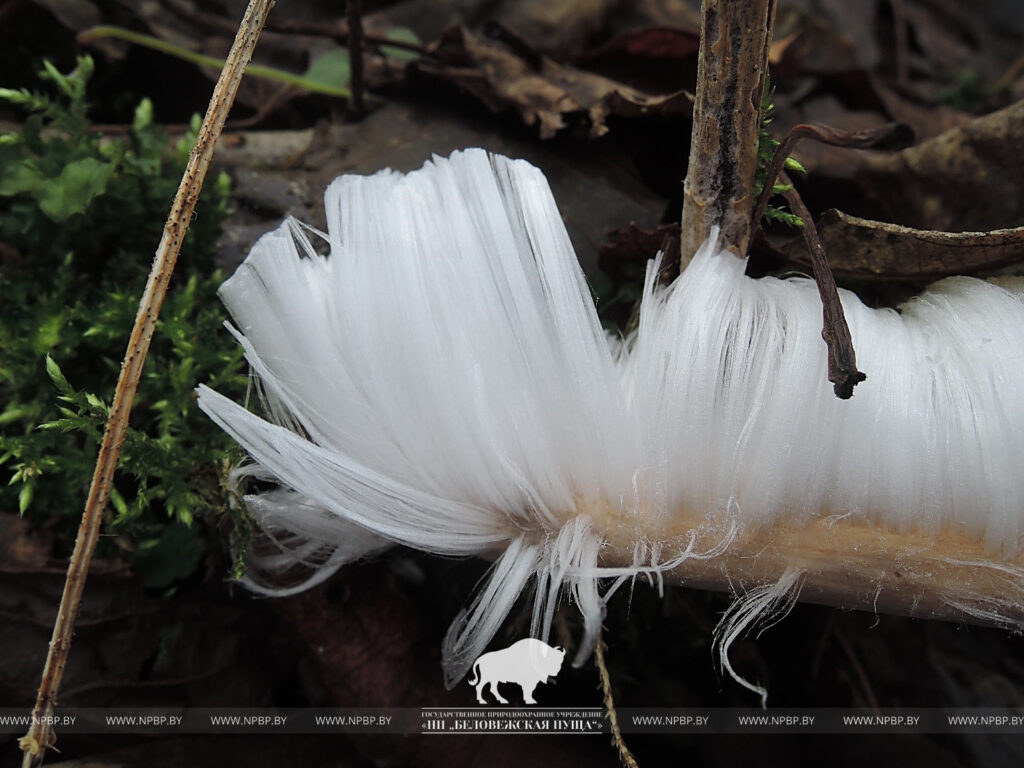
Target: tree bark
719 187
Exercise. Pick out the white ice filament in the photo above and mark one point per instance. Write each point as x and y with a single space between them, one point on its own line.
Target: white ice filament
441 380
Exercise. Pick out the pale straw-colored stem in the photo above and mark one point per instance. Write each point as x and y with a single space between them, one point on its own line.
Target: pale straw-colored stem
846 563
40 736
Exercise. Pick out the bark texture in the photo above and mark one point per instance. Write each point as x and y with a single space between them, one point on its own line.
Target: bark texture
719 187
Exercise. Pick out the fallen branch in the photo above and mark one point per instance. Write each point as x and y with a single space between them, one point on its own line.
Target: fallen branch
879 250
40 736
731 69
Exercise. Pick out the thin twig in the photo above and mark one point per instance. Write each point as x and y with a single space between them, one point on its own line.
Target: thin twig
354 16
899 24
341 34
337 32
255 70
889 136
40 736
842 359
609 705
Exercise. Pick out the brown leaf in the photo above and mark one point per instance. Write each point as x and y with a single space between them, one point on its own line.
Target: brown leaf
507 75
634 245
942 34
373 643
653 59
865 249
556 27
903 105
21 548
965 180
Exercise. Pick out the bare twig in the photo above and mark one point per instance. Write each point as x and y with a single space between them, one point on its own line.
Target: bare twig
354 16
842 360
337 32
341 34
40 736
733 60
899 24
609 705
888 136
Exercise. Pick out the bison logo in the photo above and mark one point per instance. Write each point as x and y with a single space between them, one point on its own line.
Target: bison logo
526 663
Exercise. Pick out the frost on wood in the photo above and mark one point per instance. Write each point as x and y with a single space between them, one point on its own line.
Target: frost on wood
441 380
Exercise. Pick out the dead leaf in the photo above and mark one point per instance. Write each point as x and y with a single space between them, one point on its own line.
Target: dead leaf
942 33
633 245
904 106
656 60
865 249
559 28
507 76
967 179
374 643
22 548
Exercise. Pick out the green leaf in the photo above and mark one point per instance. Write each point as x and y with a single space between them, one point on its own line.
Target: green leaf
15 413
21 97
63 425
25 497
95 402
402 35
143 115
77 186
118 503
794 165
56 375
330 69
47 335
22 177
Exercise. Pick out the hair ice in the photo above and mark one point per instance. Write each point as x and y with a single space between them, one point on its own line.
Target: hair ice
440 380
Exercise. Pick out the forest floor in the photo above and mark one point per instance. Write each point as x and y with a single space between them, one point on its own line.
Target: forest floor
597 94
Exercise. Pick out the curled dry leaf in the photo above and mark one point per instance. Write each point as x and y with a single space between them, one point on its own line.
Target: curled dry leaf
865 249
966 179
652 59
506 74
633 245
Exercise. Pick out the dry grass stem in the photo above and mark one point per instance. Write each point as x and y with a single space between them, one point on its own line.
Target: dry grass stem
40 736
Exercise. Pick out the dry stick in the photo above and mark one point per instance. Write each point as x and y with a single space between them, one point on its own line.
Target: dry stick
842 359
354 13
338 32
609 705
731 68
341 34
899 23
889 136
41 736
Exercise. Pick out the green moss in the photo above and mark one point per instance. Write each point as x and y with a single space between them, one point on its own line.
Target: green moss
80 217
766 146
